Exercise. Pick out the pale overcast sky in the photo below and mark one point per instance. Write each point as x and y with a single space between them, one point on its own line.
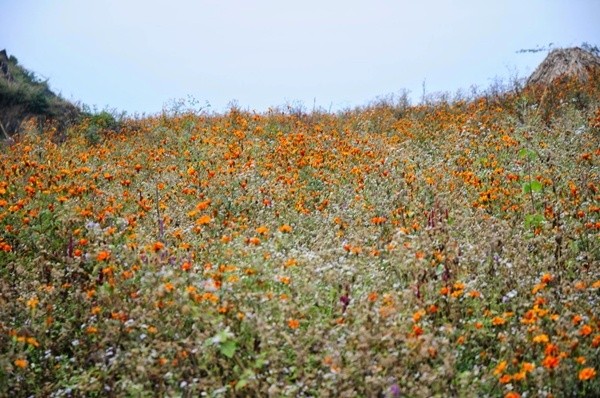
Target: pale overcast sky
137 55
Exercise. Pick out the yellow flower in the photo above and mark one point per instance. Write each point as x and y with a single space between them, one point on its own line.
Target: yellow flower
541 339
500 368
33 302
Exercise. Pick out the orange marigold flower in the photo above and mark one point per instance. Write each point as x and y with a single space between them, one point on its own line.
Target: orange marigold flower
21 363
537 288
541 339
498 321
262 230
33 302
528 367
285 229
512 394
585 330
547 278
372 297
576 319
417 330
551 349
290 262
293 323
169 287
91 330
253 241
186 266
519 376
500 368
596 341
158 246
587 374
417 315
551 362
203 220
378 220
505 379
103 256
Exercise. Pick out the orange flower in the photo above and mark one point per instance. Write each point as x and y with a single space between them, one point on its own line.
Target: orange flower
203 220
293 323
587 374
253 241
158 246
91 330
186 266
417 330
372 297
103 256
547 278
541 338
21 363
498 321
285 229
512 394
262 230
169 287
551 362
585 330
505 379
417 315
551 349
290 262
33 302
527 367
378 220
500 368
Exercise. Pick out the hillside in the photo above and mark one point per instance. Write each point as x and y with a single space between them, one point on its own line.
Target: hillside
23 96
449 249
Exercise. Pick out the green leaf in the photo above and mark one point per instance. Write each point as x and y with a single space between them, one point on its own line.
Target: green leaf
228 348
527 153
533 220
536 186
526 187
523 153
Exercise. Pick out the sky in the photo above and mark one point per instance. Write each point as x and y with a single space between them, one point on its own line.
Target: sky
143 56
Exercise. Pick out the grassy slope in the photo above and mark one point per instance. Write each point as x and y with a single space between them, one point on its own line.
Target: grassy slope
449 249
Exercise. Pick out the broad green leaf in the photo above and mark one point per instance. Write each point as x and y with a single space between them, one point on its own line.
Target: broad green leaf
228 348
536 186
526 187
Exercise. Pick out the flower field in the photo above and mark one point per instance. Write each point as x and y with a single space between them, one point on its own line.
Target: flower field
448 249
